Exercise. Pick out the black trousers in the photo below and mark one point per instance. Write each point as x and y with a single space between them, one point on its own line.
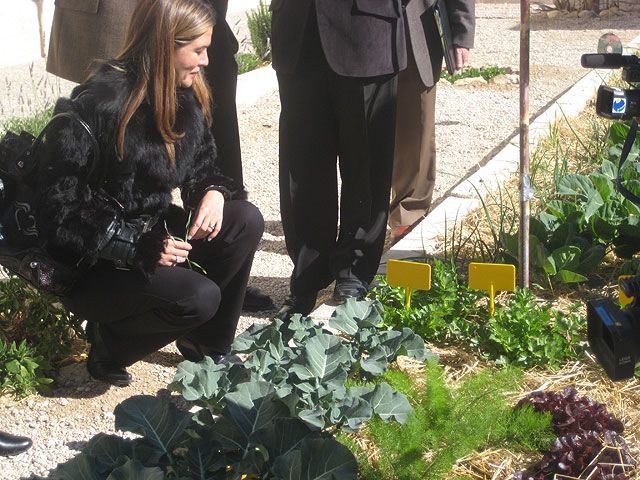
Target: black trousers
141 316
327 117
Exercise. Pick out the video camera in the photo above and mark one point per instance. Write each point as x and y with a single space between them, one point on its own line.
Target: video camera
614 332
614 102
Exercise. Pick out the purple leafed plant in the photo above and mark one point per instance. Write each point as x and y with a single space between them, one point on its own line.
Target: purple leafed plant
588 443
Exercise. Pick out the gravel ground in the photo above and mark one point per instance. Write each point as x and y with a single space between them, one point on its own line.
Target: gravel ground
472 122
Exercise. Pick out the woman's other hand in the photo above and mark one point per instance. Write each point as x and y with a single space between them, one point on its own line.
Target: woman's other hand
174 252
207 220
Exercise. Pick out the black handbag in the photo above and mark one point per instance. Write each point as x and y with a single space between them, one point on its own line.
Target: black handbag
22 251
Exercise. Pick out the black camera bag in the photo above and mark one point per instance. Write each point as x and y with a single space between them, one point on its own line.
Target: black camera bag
22 251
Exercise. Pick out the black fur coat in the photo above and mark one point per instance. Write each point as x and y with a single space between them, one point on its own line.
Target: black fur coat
72 219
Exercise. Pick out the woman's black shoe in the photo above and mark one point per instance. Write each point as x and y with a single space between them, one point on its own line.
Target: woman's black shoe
100 364
12 444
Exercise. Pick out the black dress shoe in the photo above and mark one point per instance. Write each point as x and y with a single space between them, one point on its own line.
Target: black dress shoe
100 364
349 288
302 304
195 352
12 444
256 300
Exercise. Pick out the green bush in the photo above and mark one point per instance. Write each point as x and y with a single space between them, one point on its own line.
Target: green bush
33 124
259 23
21 369
247 62
273 417
38 318
485 72
522 332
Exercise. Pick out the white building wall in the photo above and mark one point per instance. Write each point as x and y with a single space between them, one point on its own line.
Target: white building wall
20 40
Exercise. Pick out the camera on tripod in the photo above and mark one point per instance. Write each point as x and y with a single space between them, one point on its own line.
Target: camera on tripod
614 102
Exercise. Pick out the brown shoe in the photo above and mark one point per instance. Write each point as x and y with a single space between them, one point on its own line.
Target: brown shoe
398 232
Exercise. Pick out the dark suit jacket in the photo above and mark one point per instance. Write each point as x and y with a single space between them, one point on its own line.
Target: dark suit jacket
424 37
360 38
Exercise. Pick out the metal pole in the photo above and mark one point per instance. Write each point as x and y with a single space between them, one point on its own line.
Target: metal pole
525 178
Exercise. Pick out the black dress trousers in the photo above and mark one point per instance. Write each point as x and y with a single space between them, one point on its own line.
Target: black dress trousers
142 315
329 121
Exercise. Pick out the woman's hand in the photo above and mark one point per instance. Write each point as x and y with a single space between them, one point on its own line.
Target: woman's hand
207 219
174 252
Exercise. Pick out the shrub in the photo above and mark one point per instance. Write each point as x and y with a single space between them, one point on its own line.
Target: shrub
259 23
21 369
275 416
40 319
522 332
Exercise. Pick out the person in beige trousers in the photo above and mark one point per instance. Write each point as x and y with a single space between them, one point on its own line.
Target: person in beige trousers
414 167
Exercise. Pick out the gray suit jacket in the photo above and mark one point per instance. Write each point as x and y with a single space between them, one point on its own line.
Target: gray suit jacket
85 30
360 38
424 37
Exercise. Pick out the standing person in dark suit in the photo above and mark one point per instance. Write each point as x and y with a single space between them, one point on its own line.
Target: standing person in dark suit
336 62
87 30
414 165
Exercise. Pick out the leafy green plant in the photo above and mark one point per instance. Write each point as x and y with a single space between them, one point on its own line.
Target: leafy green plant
190 263
309 367
525 332
443 313
33 124
450 423
21 369
522 331
485 72
247 61
38 318
259 23
570 238
273 417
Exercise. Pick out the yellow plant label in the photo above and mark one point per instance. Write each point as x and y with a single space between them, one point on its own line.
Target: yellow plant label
410 275
493 277
622 298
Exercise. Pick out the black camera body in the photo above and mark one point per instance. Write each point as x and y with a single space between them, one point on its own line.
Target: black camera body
614 336
613 102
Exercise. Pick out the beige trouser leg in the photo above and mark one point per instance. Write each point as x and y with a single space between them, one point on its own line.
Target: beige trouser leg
414 167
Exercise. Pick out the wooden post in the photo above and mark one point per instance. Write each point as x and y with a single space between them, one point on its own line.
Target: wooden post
526 191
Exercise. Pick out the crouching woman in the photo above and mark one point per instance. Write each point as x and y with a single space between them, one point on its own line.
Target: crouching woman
150 111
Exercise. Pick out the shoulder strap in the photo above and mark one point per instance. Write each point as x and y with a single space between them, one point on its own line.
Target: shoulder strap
626 148
94 177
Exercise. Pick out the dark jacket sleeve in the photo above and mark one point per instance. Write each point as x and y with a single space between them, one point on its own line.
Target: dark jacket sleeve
206 174
462 16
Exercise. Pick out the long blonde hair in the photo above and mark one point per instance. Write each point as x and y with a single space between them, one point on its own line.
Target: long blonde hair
156 29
